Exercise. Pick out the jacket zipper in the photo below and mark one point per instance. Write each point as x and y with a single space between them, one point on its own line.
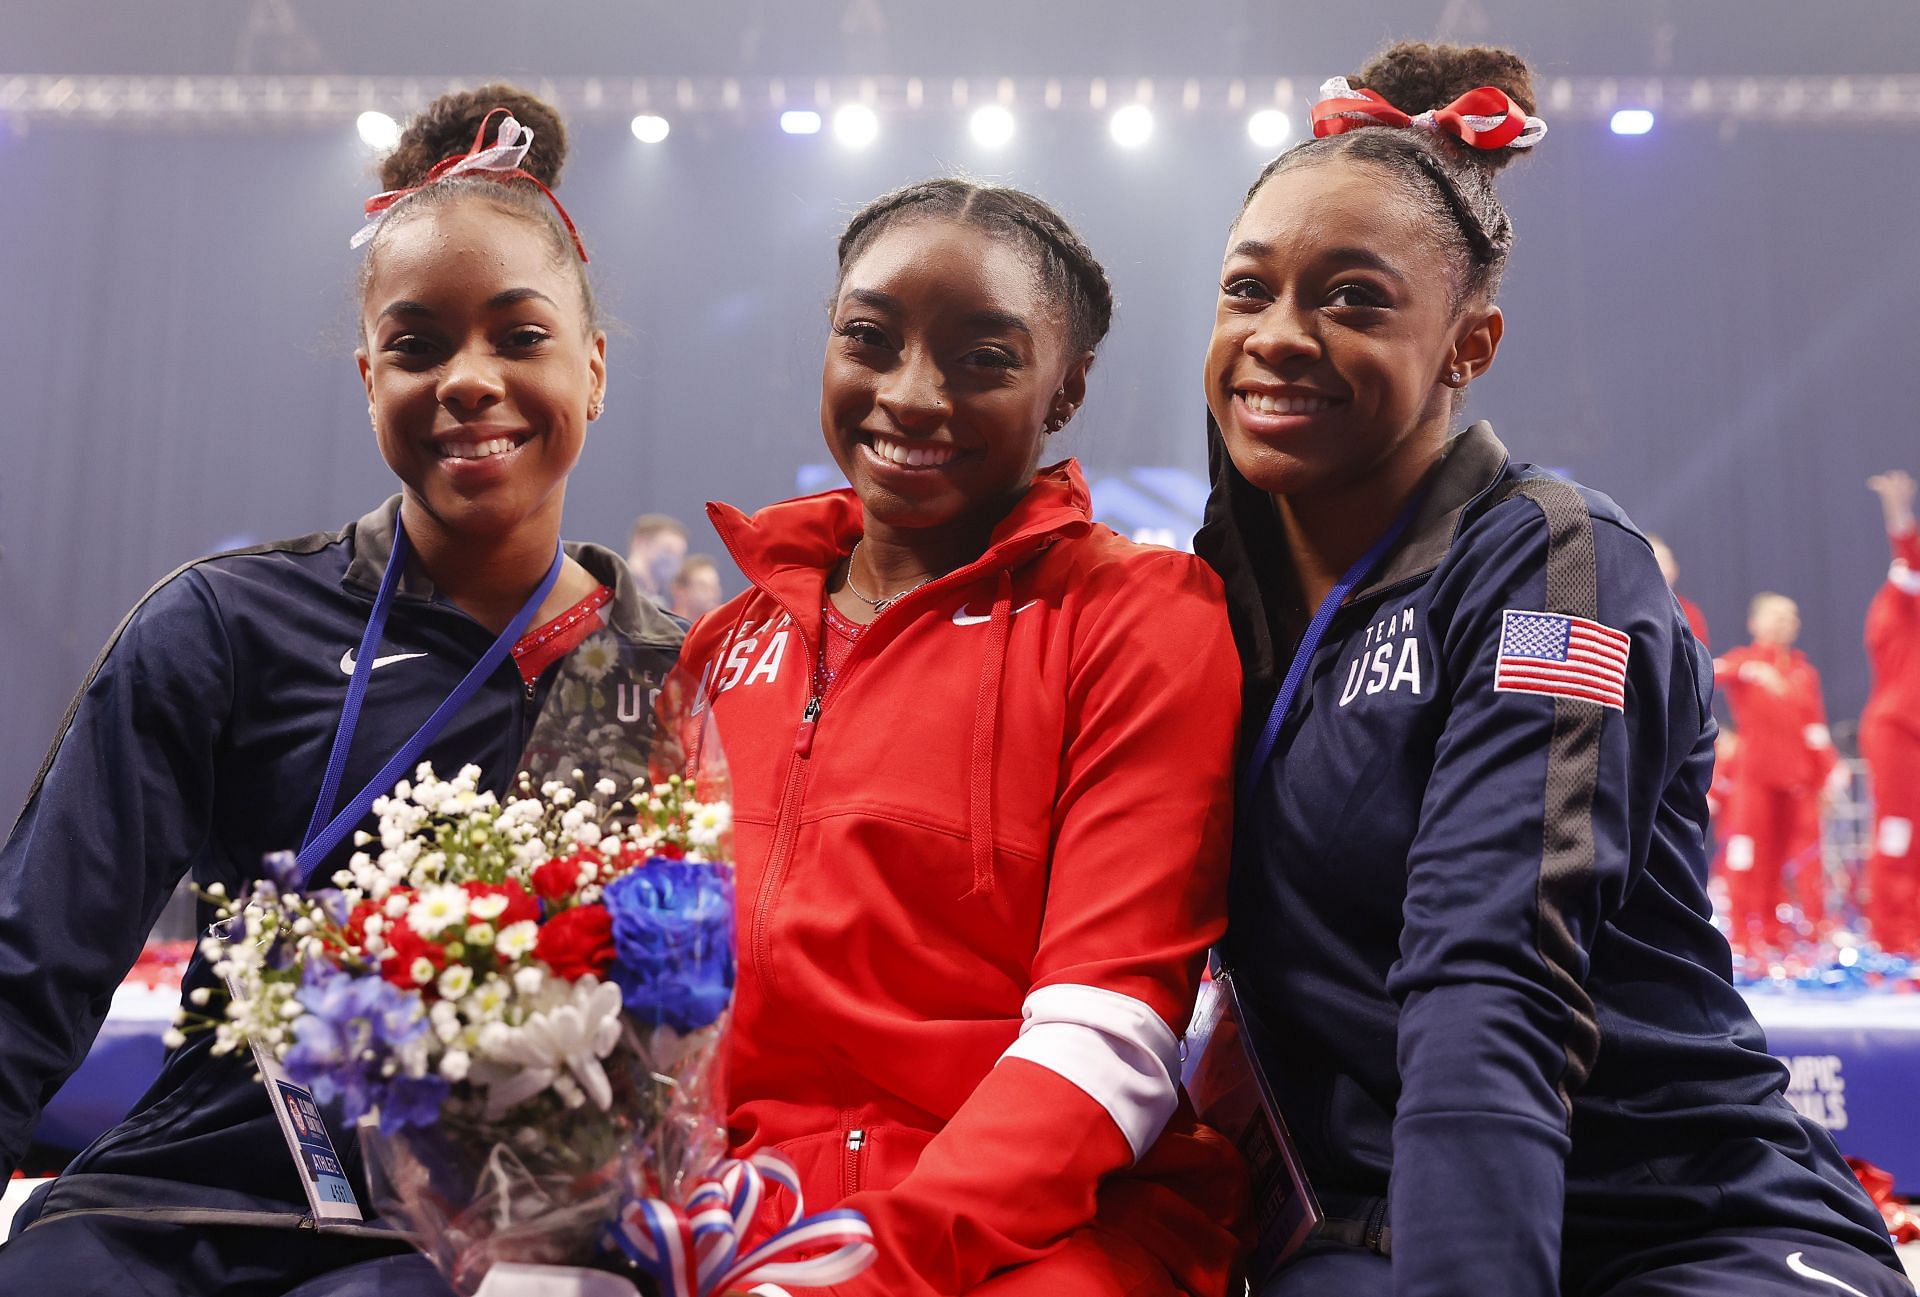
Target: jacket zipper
850 1176
786 818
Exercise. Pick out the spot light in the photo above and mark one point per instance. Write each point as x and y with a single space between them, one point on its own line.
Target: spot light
1131 126
1632 121
1269 128
800 121
649 129
992 126
856 126
377 130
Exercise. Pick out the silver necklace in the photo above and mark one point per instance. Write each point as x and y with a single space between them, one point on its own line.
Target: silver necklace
878 605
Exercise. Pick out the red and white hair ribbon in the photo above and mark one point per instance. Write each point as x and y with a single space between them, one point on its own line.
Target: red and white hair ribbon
694 1251
499 161
1484 118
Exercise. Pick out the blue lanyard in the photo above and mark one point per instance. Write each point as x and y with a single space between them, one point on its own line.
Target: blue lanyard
1310 643
324 835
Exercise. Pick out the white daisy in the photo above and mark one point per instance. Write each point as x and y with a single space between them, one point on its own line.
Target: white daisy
437 909
597 656
516 940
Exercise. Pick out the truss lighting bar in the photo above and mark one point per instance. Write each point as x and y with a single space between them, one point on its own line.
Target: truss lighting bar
253 103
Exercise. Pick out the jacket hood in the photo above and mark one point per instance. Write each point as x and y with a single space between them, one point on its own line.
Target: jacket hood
632 614
1242 540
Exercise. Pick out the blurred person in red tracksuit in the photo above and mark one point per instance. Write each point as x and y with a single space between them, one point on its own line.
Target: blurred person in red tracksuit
1786 761
1670 569
1890 725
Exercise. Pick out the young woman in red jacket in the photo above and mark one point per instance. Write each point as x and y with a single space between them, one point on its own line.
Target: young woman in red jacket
982 752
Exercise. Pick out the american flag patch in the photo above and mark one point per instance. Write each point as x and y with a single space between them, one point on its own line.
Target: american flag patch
1563 657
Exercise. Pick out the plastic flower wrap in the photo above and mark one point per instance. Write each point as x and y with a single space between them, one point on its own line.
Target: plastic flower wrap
521 1000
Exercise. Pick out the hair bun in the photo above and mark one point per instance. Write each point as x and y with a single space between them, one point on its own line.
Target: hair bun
445 128
1416 77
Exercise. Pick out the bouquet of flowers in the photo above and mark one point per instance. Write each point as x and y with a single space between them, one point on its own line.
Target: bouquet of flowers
521 1002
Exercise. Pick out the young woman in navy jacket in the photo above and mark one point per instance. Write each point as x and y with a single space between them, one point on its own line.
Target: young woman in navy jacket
1467 916
197 743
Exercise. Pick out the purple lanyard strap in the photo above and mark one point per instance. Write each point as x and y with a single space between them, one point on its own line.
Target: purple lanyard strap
324 835
1310 644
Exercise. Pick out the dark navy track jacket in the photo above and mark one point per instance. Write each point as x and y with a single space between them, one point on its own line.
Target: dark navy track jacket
196 746
1469 922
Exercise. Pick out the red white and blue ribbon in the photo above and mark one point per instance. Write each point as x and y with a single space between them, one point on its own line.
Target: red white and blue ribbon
499 161
694 1251
1483 118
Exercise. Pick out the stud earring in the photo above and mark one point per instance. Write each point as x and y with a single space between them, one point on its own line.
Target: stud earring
1453 378
593 410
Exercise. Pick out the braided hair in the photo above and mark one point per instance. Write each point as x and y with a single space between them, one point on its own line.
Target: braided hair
1452 183
1068 268
444 129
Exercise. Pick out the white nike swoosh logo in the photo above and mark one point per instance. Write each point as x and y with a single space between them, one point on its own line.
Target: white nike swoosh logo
347 663
961 617
1805 1271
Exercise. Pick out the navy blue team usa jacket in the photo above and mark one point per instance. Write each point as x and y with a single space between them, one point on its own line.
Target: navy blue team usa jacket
1468 914
195 747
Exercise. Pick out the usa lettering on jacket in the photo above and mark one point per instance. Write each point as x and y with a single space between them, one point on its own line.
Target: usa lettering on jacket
1388 661
754 656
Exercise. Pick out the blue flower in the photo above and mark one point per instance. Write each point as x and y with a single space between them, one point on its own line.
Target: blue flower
282 869
673 941
353 1025
410 1101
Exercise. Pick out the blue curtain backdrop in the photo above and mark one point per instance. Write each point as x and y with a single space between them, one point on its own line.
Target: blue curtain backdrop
1714 326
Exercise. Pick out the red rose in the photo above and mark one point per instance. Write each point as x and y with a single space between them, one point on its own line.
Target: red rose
671 850
576 942
405 946
557 879
355 930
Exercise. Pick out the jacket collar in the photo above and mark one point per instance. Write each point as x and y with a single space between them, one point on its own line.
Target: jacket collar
632 614
1241 537
787 548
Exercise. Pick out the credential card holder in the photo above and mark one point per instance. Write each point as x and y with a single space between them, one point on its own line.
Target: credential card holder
329 1194
1223 1078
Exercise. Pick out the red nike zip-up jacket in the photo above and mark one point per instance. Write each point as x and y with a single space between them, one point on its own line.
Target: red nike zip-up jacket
977 878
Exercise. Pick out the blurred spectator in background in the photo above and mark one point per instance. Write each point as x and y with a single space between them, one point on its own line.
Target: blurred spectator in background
1890 725
655 551
696 587
1663 555
1786 760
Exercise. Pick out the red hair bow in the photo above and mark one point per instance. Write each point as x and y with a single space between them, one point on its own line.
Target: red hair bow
1482 118
499 161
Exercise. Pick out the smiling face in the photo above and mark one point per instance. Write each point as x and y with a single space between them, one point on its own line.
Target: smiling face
1336 332
946 361
480 367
